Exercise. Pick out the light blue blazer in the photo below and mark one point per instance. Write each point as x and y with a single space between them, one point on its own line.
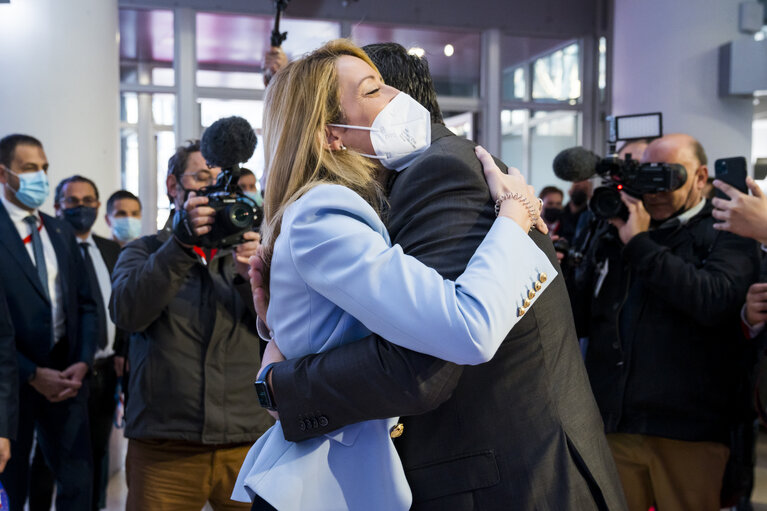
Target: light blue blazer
334 279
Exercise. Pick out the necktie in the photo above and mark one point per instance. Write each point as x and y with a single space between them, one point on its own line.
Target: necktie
93 282
37 249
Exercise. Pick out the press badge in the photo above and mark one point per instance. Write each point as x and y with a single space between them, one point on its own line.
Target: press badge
602 268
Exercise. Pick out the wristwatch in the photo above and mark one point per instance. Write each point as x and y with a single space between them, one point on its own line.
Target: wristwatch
265 396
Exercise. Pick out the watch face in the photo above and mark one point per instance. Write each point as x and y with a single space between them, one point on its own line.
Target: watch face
262 390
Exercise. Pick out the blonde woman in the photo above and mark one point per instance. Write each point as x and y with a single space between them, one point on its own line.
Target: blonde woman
334 276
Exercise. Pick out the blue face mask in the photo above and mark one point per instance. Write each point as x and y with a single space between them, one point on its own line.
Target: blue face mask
33 188
80 218
126 228
255 197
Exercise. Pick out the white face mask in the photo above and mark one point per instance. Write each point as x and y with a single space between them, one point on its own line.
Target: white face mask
400 132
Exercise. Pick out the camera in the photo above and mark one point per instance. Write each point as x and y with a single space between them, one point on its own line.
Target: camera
236 213
634 178
226 143
627 174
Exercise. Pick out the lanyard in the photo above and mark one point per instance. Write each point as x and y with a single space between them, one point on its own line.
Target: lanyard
200 252
28 239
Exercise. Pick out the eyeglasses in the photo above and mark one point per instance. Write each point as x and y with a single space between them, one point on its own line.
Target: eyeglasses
73 202
201 177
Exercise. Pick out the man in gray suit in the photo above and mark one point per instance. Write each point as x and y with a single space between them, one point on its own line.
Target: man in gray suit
519 432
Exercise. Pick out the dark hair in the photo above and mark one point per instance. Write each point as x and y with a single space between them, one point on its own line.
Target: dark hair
408 73
8 146
120 195
246 172
700 154
73 179
177 162
548 190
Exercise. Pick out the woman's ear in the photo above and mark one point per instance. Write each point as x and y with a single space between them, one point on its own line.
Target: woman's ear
331 141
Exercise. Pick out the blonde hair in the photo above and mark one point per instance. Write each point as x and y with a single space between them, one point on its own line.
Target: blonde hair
300 101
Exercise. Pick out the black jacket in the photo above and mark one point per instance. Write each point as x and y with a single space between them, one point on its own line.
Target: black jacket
521 431
30 307
666 356
194 351
9 374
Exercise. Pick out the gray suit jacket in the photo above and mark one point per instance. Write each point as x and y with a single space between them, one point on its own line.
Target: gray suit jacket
520 432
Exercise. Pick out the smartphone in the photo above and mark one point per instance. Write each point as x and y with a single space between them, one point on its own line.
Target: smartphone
732 171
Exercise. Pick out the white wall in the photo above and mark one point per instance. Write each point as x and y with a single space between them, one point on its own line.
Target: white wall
665 59
59 82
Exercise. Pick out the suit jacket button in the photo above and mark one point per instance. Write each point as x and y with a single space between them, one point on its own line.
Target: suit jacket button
531 294
308 423
323 421
302 426
543 277
526 303
397 430
521 312
538 285
315 423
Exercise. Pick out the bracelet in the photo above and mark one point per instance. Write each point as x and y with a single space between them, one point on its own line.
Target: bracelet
521 198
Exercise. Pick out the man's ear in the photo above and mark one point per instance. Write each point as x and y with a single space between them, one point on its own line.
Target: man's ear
3 174
171 185
332 141
701 176
109 222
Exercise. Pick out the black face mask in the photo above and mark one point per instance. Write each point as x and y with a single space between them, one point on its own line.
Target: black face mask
579 198
80 218
551 215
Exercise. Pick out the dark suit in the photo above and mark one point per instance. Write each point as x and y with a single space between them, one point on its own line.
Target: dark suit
9 377
519 432
102 404
62 428
102 383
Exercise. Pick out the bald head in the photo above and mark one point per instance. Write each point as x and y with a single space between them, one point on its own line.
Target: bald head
678 144
686 151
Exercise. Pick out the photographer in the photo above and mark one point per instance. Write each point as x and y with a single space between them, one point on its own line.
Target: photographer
746 215
663 358
194 354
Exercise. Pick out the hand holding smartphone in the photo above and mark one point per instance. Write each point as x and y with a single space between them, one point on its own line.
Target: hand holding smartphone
732 171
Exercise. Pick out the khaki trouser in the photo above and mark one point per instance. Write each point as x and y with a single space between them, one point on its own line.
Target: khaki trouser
171 475
674 475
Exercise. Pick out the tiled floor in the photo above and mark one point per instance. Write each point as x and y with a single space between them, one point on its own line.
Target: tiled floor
117 489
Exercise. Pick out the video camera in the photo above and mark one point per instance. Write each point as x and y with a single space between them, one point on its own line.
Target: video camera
226 143
628 175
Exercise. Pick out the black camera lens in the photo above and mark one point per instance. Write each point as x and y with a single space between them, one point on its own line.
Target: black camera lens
238 216
606 203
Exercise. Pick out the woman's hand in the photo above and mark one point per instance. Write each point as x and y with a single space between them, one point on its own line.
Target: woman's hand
526 213
258 286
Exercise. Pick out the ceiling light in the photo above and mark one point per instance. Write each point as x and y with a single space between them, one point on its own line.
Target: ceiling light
449 50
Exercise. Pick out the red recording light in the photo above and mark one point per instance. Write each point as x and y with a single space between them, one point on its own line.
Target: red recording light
620 187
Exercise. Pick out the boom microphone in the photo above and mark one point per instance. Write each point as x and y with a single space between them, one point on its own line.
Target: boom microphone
575 164
228 142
